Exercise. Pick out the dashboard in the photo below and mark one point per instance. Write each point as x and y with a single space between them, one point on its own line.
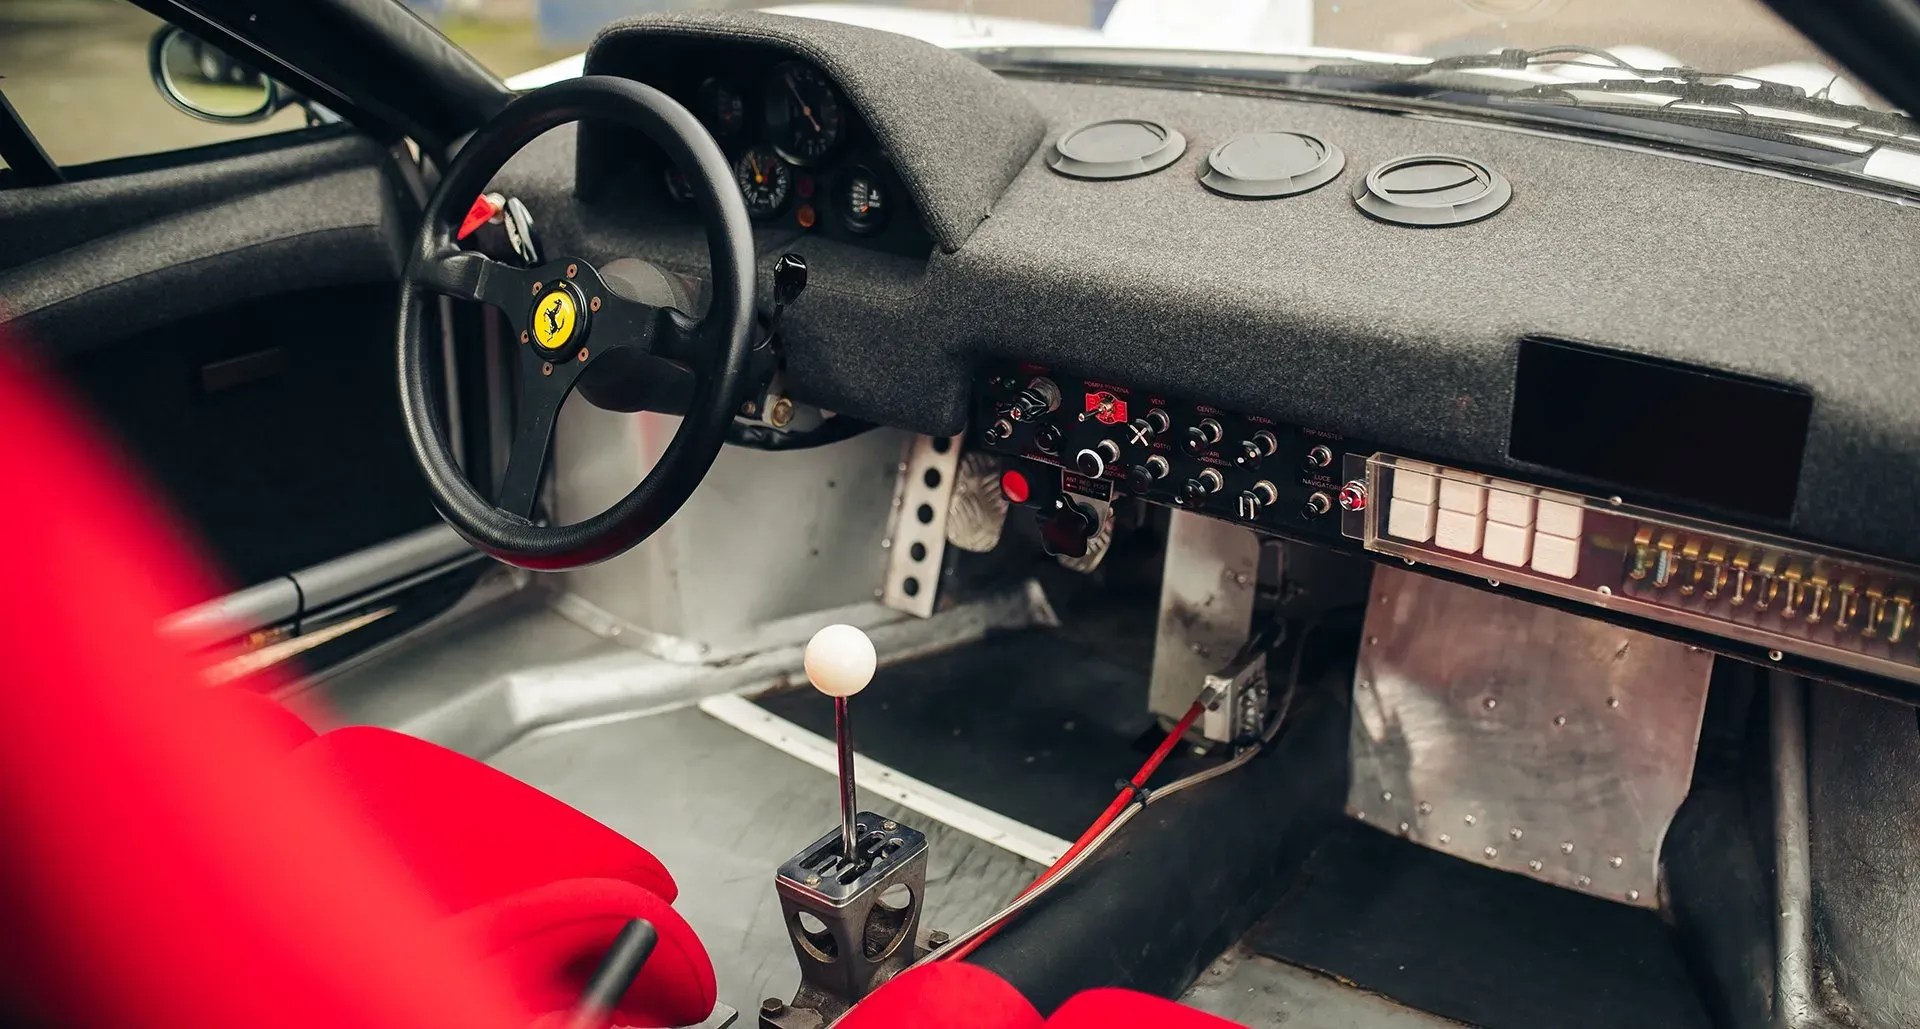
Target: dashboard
1750 432
804 158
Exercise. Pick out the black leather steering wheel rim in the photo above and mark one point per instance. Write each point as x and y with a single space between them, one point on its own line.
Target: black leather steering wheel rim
717 346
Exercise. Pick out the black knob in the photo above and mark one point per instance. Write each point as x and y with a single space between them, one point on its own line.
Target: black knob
1253 448
1203 436
1090 464
1040 398
1048 439
1065 527
1000 431
1198 488
1319 457
1158 420
1146 473
1257 498
1318 503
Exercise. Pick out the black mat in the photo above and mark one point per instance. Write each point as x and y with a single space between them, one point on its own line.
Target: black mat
1474 944
1031 724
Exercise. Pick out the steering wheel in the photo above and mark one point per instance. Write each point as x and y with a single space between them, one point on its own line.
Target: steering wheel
572 325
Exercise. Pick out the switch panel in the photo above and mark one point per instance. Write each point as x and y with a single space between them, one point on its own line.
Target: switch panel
1110 439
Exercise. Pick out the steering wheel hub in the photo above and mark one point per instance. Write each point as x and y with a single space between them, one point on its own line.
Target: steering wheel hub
559 320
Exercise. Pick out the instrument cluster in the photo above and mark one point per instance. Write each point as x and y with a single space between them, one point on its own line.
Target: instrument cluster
801 155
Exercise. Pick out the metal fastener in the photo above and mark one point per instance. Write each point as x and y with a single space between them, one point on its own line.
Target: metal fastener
1469 819
594 304
525 336
1774 655
889 826
1534 865
773 1007
938 937
1492 703
1373 641
583 354
1364 684
1613 701
572 270
1404 827
1616 861
1559 719
1585 881
1490 853
546 367
1445 839
1515 832
813 880
780 412
1426 808
1633 894
1567 847
1386 794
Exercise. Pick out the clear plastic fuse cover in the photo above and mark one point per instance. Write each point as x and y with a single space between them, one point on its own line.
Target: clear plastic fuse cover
1771 592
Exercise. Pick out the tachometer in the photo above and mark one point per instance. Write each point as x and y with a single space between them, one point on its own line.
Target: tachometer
721 108
803 113
765 181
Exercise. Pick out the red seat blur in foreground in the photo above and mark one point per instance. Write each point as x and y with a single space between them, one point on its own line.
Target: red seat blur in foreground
951 995
170 863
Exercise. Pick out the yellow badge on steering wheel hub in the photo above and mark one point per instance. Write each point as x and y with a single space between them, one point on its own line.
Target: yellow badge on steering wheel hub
556 319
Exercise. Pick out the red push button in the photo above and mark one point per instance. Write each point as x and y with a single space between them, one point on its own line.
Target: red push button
1014 486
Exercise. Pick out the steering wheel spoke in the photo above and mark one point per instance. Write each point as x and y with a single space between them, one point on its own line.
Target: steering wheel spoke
544 387
465 275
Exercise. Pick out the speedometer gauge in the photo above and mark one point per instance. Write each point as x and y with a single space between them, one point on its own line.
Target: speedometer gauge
765 181
803 113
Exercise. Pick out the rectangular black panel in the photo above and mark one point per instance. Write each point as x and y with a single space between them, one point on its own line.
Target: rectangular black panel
1661 429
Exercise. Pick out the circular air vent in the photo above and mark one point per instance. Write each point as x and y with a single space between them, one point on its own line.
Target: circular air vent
1259 165
1115 148
1432 190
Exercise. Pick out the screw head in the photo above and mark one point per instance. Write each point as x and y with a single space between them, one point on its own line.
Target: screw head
1445 839
1426 808
1616 861
1491 853
1515 832
773 1006
546 367
1559 720
593 304
1470 819
525 336
888 826
582 355
1534 865
938 937
1633 894
813 880
536 288
572 270
1567 847
1585 881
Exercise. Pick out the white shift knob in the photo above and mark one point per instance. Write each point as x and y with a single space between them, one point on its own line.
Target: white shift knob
840 660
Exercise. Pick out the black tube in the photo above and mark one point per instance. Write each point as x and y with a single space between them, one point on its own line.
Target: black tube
615 975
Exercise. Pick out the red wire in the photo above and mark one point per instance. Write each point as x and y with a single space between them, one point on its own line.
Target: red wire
1106 818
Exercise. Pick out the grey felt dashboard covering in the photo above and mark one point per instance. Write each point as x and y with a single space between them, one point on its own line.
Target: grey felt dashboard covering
955 132
1305 310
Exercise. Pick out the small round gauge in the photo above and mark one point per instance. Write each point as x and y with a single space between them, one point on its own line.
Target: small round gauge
678 187
864 205
765 181
721 108
803 113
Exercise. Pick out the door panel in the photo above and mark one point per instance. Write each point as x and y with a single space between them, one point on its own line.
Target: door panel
229 320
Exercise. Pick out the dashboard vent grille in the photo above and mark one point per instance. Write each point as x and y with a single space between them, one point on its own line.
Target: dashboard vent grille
1432 191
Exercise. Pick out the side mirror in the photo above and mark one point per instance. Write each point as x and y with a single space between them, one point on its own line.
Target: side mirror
200 79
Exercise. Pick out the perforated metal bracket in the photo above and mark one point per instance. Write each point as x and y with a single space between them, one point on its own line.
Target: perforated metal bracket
916 540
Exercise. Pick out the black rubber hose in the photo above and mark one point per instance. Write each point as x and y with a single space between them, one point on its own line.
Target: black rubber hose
615 975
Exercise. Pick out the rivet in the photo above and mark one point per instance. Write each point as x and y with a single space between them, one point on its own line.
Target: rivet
1490 853
888 826
1585 881
594 304
886 544
813 880
1613 701
1605 591
1567 847
1534 865
1633 894
1495 583
1559 719
1445 839
1492 703
1616 861
583 353
1360 816
525 336
1364 684
572 270
536 288
546 367
1383 598
1404 827
1774 655
1469 819
1426 808
1373 641
1386 794
1615 501
1515 832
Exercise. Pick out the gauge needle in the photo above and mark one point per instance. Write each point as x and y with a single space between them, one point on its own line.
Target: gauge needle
754 163
794 87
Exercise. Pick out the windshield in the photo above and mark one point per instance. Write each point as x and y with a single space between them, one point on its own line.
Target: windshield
1719 74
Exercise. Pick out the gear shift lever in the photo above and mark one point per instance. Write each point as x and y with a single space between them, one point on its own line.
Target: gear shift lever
839 663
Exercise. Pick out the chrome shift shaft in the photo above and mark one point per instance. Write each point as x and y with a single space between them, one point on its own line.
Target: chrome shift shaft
843 737
840 661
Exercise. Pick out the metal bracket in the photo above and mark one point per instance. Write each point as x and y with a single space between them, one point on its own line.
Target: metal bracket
916 541
1206 607
1238 708
1522 737
853 925
978 514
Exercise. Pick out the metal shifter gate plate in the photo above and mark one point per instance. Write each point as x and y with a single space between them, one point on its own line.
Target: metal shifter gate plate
917 539
1521 737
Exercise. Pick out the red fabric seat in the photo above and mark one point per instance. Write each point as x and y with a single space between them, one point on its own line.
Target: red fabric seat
1125 1009
944 995
179 855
